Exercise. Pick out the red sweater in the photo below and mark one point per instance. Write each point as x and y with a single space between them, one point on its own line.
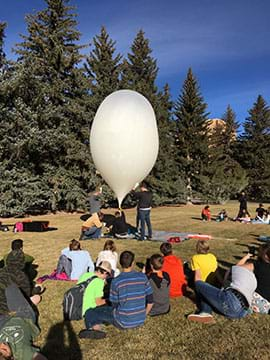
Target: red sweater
174 267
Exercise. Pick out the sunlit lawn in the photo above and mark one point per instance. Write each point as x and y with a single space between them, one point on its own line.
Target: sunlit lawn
166 337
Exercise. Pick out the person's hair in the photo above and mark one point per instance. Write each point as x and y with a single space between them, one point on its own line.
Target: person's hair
17 244
166 249
156 261
74 245
117 214
144 185
202 247
126 259
109 245
264 253
260 205
206 207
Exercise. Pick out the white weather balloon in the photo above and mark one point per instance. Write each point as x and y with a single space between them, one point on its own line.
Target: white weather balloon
124 140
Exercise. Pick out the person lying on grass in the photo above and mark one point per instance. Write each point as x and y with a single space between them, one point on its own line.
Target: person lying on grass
233 301
131 297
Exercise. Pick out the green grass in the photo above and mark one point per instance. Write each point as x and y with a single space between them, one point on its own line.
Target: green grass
167 337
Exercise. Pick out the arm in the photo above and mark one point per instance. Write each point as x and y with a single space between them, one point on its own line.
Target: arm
100 301
244 260
148 308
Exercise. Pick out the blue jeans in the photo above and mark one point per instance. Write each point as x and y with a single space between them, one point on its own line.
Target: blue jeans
144 217
223 301
99 315
91 233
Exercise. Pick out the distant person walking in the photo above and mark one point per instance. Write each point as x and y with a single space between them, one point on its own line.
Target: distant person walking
144 197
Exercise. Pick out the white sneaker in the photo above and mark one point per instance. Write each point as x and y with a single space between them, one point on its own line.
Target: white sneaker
202 318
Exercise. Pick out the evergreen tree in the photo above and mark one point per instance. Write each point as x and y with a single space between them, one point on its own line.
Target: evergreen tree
103 68
140 69
2 36
166 178
192 140
230 131
139 73
48 99
253 150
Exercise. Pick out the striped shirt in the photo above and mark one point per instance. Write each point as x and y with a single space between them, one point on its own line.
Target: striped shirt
129 294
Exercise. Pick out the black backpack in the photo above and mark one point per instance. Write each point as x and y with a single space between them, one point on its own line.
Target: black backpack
73 299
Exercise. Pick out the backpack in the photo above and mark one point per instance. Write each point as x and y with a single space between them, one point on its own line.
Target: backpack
73 300
18 227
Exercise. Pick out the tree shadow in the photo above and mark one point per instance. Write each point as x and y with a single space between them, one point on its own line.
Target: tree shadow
225 264
61 347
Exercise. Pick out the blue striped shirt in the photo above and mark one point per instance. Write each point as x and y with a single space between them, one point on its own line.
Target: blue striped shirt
128 295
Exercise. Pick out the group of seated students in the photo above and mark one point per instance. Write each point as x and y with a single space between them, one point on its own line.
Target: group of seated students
244 289
132 295
262 215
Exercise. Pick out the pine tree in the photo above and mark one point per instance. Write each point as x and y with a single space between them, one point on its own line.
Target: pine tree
165 177
140 69
253 150
192 141
230 131
103 68
48 96
2 36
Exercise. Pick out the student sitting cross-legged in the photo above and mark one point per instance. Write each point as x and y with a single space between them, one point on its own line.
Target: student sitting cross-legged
160 283
131 297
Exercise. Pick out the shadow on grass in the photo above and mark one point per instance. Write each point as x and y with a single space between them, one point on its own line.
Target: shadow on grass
62 343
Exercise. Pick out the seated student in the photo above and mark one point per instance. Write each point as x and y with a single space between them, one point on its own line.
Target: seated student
93 294
127 311
233 301
174 267
261 298
245 218
222 216
204 261
260 212
91 228
120 227
13 273
74 261
160 283
18 330
266 217
206 213
109 254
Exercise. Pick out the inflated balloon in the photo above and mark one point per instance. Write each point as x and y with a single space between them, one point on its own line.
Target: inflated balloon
124 140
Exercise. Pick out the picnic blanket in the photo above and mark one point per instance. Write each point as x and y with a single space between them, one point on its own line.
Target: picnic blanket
53 276
176 237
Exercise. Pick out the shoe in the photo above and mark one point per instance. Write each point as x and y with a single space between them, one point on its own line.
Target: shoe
202 318
92 334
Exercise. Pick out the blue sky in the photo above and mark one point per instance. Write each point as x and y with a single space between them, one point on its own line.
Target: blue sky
226 42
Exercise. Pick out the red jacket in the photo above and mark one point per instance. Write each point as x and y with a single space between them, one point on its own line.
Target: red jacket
174 267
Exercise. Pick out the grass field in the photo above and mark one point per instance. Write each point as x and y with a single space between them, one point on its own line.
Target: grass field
167 337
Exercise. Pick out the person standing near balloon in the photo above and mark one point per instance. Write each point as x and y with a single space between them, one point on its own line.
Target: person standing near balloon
94 201
144 197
